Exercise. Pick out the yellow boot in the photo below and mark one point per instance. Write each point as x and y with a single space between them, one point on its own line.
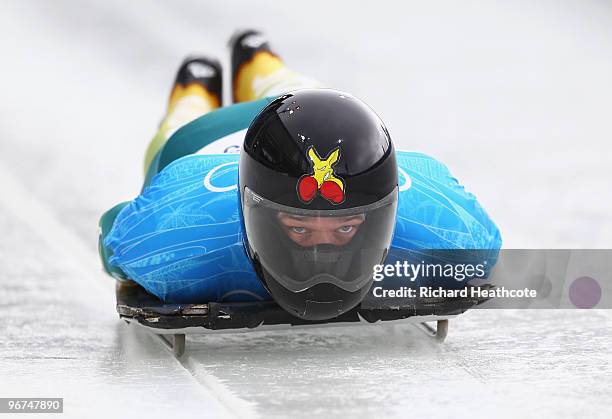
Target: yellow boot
258 72
197 90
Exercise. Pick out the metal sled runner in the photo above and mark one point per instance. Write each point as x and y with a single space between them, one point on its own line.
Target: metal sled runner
171 322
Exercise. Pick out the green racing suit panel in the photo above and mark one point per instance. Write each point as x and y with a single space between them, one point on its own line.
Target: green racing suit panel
203 131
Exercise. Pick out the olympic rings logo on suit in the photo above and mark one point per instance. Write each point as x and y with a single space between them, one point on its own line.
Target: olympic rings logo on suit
209 175
407 180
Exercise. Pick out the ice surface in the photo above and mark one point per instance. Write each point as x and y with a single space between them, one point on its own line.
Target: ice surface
512 96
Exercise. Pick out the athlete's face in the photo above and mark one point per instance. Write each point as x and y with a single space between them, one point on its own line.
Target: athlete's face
310 231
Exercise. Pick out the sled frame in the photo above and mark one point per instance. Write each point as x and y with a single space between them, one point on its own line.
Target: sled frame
439 333
172 322
174 343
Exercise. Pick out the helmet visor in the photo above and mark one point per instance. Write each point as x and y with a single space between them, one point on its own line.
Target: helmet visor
301 248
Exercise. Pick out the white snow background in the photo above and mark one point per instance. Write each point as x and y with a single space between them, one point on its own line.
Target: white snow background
514 96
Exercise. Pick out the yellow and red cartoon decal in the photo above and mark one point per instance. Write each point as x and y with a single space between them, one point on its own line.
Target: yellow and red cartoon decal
323 180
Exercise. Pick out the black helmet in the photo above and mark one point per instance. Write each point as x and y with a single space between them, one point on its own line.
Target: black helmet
318 195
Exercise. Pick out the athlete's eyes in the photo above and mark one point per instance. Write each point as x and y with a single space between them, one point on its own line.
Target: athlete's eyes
298 230
345 229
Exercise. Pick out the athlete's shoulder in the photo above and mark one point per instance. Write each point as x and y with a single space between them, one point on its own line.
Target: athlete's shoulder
191 191
436 211
415 162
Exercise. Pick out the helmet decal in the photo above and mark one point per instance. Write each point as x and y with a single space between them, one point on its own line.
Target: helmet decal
322 180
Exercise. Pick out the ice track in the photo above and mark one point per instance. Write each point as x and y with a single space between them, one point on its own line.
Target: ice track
513 96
